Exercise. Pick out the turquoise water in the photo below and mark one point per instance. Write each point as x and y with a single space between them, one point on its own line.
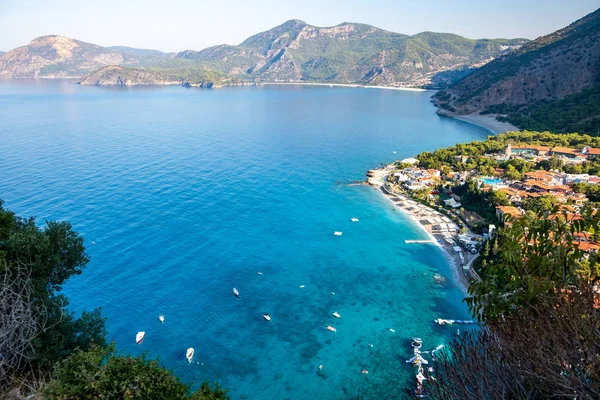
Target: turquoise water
187 193
492 181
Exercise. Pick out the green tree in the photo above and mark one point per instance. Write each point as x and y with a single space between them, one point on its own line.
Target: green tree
102 373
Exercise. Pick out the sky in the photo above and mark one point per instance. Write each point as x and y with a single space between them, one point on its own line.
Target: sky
175 25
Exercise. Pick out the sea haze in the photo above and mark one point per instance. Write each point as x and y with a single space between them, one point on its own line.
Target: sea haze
183 194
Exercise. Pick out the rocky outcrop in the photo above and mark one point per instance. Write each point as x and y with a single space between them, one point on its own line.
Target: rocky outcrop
118 76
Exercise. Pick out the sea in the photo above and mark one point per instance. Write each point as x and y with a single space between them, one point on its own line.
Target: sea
183 194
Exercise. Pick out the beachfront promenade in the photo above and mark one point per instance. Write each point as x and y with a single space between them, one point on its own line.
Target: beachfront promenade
425 217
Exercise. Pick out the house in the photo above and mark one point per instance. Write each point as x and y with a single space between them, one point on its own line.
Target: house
564 152
501 211
590 152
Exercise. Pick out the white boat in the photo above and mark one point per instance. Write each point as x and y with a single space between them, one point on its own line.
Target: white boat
336 314
337 233
330 328
189 354
364 371
354 219
161 318
392 330
417 343
301 286
236 293
139 338
267 317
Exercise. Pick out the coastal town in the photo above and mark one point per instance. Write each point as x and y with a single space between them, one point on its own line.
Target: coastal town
462 208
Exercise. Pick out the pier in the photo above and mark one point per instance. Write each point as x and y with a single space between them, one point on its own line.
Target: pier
420 241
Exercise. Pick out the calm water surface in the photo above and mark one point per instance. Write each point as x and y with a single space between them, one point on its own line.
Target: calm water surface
183 194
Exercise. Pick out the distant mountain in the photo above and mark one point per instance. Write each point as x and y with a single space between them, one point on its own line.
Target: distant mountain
349 53
2 53
61 57
551 83
296 51
114 75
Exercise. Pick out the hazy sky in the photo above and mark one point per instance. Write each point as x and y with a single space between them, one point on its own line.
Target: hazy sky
174 25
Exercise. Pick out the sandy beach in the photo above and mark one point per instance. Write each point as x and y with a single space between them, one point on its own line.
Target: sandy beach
488 122
417 212
344 85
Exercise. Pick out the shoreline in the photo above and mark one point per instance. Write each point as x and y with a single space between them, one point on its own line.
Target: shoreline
487 122
410 208
352 85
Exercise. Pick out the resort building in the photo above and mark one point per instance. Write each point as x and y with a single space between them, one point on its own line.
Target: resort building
501 211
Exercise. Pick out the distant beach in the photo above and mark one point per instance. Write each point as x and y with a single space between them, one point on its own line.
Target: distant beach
488 122
344 85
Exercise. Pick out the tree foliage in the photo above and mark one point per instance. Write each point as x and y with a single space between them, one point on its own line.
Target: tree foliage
539 255
102 373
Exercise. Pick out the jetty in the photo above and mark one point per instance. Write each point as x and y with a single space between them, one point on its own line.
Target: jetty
420 241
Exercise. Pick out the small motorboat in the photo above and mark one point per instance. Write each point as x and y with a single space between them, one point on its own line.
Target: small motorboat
393 152
364 371
330 328
301 286
392 330
336 314
139 338
321 367
189 354
236 293
337 233
260 273
354 219
161 318
267 317
416 343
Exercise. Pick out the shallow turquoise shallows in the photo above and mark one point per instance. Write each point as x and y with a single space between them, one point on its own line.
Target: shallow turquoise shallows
183 194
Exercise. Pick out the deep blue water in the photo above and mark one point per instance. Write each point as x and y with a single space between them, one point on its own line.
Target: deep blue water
188 193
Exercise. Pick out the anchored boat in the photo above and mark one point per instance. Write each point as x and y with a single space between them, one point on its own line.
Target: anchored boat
139 338
236 293
330 328
189 354
267 317
336 314
161 318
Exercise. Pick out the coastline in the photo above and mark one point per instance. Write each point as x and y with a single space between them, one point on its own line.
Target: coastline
353 85
413 210
488 122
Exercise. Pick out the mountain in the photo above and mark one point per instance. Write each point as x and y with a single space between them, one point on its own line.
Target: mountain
296 51
62 57
348 53
2 53
551 83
